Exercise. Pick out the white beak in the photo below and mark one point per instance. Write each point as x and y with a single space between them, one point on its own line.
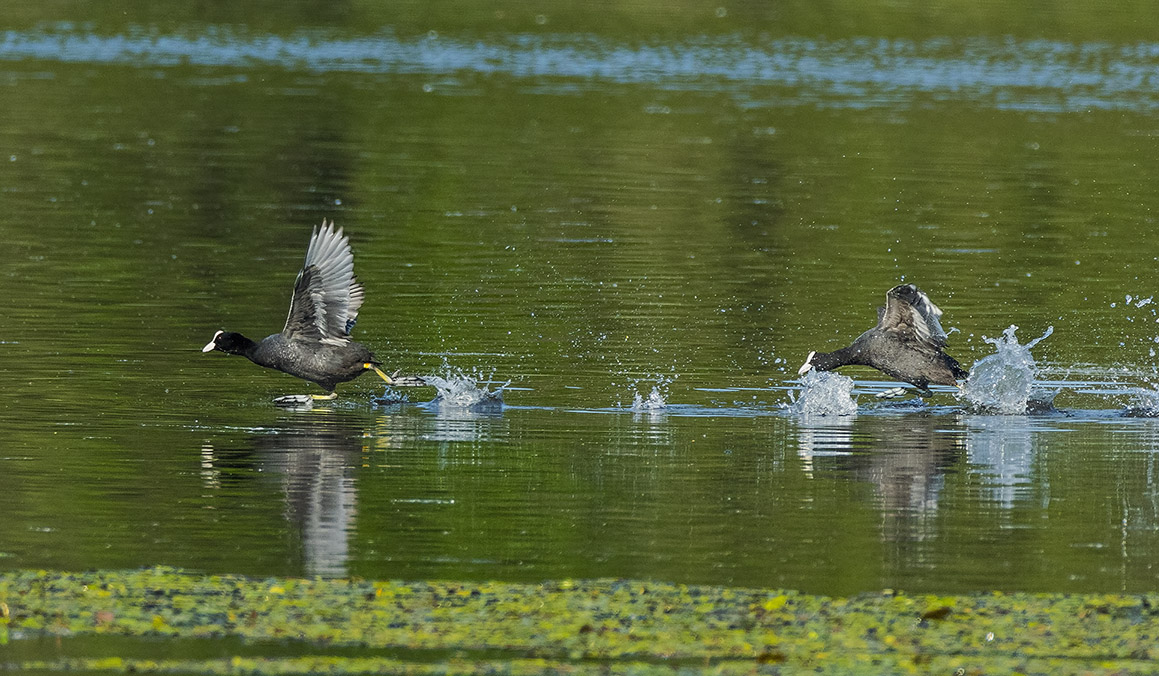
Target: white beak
213 343
807 365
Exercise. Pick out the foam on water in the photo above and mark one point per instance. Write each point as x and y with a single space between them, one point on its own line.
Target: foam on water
824 393
1003 382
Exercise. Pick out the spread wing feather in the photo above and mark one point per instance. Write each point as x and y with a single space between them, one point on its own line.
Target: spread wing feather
326 294
912 317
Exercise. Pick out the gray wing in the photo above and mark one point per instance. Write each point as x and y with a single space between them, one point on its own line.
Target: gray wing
326 294
912 317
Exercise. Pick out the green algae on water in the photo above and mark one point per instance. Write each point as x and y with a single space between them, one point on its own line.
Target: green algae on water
362 626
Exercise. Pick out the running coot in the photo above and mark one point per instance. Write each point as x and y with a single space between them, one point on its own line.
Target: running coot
908 344
315 344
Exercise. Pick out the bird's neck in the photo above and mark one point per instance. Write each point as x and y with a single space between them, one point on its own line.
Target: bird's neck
239 344
827 361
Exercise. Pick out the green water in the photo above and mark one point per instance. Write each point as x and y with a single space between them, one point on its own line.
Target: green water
585 205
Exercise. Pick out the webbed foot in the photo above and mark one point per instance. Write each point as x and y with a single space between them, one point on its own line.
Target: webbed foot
303 401
407 381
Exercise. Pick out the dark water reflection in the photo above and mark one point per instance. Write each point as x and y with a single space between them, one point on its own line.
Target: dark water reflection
913 500
585 215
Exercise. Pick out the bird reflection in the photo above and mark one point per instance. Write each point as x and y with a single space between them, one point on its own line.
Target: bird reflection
315 463
317 457
1002 448
317 470
904 458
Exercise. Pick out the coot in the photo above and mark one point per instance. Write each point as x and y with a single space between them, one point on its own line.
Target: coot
315 344
908 344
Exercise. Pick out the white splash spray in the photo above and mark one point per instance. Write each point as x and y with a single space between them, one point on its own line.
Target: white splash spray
824 393
657 399
461 390
1003 382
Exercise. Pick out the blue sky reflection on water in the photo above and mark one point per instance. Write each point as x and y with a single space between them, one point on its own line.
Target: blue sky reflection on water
1042 75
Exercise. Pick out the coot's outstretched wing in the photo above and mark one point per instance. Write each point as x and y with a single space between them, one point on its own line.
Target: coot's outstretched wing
326 294
911 317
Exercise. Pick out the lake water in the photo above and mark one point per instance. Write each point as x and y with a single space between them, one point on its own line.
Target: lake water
637 225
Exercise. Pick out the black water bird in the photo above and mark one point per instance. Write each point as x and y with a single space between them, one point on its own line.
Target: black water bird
315 344
908 344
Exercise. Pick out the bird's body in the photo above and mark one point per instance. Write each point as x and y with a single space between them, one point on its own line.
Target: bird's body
908 343
315 343
326 365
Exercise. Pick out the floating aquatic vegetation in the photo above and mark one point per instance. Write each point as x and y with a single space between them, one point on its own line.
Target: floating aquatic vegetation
1003 382
573 626
824 393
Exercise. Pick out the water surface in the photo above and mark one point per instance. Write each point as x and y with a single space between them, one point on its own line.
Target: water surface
586 215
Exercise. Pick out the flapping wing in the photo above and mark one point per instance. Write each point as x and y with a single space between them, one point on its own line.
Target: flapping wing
912 317
326 294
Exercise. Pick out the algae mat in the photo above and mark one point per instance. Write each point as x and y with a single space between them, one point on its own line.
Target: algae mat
117 621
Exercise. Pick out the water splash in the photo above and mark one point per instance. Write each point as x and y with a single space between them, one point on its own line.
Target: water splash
1003 382
392 396
1144 311
1144 403
657 399
458 389
824 393
654 402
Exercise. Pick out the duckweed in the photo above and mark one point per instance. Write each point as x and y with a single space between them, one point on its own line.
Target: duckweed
568 626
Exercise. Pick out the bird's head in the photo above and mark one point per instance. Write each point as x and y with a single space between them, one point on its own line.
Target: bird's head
228 342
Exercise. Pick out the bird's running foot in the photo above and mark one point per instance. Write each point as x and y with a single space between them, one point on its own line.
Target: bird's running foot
408 381
303 401
395 379
895 392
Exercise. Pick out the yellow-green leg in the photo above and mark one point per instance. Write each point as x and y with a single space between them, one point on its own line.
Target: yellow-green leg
377 370
395 379
303 401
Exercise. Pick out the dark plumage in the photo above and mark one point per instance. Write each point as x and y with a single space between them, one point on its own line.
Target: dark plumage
908 343
315 344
